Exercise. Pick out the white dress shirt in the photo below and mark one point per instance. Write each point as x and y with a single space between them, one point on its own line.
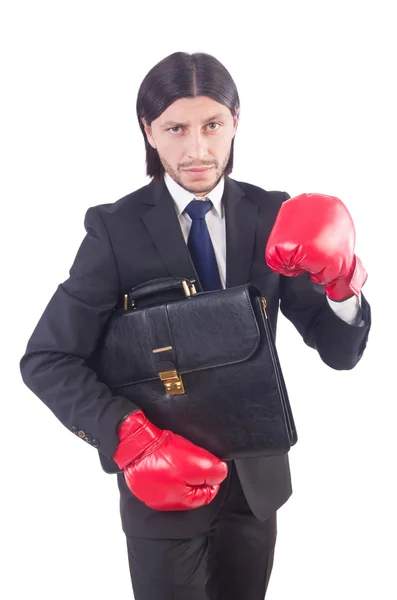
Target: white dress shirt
215 219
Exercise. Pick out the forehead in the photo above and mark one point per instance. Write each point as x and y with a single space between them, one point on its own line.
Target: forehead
190 111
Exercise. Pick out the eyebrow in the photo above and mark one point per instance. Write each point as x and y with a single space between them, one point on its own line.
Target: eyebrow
179 124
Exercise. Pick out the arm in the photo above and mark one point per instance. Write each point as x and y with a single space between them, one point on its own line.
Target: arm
311 246
349 310
54 364
304 303
55 368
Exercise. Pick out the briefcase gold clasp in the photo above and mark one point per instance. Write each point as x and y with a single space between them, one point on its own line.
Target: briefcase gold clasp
188 288
172 382
126 302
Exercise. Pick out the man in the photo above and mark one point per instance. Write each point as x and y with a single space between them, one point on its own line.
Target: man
203 529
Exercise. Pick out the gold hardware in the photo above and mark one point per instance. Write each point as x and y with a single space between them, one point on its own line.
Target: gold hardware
264 305
81 433
186 288
126 302
172 382
162 349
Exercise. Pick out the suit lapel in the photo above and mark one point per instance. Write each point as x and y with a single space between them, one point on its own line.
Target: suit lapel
241 221
166 233
164 228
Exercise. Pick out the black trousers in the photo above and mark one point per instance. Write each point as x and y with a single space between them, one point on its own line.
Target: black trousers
233 560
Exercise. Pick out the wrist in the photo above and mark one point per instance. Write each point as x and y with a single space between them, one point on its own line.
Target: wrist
135 433
345 287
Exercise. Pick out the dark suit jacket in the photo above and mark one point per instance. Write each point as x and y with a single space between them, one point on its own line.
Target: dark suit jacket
139 238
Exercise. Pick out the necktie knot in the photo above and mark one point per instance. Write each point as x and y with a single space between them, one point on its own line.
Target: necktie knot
197 209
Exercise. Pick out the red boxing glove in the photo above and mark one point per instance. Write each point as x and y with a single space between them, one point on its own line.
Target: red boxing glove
165 470
315 233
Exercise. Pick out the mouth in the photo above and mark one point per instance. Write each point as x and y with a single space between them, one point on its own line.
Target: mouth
202 170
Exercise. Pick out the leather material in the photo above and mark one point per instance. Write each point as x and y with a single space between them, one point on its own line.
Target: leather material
315 233
165 470
346 287
235 403
136 435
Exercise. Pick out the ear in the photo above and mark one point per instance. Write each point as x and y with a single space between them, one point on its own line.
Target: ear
235 119
148 131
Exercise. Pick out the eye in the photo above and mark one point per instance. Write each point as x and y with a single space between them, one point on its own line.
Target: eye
173 128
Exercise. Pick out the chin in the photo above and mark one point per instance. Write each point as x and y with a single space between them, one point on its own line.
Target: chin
202 188
210 181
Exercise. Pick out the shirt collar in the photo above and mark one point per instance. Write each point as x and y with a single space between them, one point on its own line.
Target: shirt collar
182 197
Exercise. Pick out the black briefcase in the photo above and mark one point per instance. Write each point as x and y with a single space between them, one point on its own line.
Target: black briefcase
203 365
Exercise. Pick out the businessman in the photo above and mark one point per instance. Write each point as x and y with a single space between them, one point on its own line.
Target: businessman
196 528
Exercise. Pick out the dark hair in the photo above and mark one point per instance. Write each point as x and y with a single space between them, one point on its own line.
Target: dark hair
183 75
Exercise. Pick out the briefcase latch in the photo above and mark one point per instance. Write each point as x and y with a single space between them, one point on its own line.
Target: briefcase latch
172 382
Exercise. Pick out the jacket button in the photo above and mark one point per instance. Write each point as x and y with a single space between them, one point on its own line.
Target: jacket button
95 443
74 429
81 433
87 439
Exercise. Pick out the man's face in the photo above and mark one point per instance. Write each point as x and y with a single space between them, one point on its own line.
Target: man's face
193 132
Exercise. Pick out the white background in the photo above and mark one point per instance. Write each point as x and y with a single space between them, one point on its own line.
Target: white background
318 114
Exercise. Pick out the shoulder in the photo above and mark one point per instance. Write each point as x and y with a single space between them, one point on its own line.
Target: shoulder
259 194
126 203
128 207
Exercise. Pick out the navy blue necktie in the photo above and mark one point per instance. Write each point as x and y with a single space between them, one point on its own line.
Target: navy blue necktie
200 245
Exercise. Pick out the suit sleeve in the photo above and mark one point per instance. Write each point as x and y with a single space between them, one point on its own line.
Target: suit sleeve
54 364
304 303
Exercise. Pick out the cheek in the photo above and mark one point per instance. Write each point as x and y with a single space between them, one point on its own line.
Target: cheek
172 146
224 141
168 150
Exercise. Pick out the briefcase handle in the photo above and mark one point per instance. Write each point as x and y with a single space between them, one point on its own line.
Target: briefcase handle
159 286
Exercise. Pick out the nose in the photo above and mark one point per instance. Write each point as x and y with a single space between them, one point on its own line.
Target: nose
197 145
